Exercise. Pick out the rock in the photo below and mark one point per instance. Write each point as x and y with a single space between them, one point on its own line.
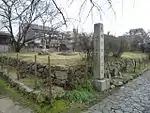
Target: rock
105 110
22 74
61 75
59 82
57 92
112 86
78 74
120 74
95 112
12 83
115 107
25 88
60 78
120 83
117 82
127 77
107 74
118 111
40 70
110 54
43 52
128 109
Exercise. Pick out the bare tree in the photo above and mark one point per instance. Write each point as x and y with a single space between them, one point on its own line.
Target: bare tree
94 5
46 20
51 22
22 13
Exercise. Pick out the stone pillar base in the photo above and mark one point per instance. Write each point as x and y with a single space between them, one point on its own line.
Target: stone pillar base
102 85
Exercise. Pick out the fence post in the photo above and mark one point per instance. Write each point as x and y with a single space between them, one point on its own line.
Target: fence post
86 68
144 62
126 65
139 63
2 64
17 66
49 80
35 61
7 68
134 66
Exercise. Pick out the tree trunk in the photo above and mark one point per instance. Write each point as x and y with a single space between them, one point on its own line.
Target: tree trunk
16 47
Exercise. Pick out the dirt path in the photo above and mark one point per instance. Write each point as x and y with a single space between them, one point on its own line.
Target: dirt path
7 105
134 97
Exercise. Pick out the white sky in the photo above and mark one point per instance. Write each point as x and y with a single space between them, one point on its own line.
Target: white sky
133 15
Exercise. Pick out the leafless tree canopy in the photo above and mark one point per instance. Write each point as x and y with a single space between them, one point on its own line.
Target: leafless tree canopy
26 12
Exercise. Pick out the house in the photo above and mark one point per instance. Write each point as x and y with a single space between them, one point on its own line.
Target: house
4 41
37 32
53 37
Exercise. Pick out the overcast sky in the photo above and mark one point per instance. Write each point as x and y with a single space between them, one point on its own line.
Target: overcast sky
129 15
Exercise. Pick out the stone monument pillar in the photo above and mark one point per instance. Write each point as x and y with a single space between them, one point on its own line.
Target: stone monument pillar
100 82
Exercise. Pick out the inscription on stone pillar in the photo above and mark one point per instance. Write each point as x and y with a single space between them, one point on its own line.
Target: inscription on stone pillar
99 51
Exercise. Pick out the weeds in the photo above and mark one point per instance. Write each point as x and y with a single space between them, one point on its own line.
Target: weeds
82 92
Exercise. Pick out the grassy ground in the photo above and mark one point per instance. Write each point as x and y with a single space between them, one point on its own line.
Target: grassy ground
58 105
29 81
56 58
134 55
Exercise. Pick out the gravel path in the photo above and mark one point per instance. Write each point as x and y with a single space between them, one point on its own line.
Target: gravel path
134 97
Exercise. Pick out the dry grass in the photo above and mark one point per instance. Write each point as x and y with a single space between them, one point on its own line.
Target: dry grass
56 59
134 55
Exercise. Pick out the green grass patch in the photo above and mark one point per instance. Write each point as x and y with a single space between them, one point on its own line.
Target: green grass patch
83 92
30 82
79 95
58 106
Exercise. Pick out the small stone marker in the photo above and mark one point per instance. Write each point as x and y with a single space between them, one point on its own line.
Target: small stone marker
100 82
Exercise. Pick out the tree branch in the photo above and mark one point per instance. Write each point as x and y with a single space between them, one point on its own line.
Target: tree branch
60 12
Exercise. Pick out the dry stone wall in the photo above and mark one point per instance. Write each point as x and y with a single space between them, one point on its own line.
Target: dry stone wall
116 67
59 73
67 76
